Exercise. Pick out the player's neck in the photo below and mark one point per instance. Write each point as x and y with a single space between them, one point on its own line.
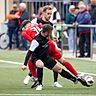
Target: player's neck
43 18
43 34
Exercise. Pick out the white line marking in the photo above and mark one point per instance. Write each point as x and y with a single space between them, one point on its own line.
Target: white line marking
11 62
28 94
88 73
46 94
18 63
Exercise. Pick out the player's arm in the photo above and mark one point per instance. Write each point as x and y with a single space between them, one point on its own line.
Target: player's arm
34 21
26 36
33 46
24 66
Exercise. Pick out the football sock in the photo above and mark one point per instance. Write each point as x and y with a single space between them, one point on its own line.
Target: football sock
67 75
30 74
40 75
70 67
32 68
55 76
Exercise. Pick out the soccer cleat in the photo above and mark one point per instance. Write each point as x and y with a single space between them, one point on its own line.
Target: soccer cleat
27 79
33 79
39 87
56 84
76 81
83 82
35 84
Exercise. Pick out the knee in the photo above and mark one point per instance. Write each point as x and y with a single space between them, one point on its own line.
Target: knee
39 64
59 70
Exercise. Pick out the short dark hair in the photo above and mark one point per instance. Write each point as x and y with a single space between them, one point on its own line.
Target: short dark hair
47 27
23 24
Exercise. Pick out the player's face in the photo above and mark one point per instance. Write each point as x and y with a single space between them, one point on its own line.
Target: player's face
48 34
28 25
48 14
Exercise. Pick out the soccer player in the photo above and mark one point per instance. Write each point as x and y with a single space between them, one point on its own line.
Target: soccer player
47 11
40 57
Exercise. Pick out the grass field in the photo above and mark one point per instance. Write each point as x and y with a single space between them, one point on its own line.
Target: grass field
11 78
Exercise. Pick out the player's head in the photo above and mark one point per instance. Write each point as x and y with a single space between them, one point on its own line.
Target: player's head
47 30
47 12
24 24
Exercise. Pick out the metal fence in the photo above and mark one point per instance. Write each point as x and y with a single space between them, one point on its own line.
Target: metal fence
76 26
61 5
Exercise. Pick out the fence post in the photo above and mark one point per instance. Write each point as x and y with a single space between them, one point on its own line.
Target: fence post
76 40
91 43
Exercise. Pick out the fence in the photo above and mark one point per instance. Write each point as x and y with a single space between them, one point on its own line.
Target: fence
61 5
76 26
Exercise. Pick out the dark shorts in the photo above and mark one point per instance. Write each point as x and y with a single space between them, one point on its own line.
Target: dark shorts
49 63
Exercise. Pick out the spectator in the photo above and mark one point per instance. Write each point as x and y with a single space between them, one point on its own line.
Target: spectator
23 15
70 19
84 33
92 11
12 24
58 34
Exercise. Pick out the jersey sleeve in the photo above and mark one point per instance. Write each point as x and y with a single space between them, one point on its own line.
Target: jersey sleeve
34 21
34 45
26 36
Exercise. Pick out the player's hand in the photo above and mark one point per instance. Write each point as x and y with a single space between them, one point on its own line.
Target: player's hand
24 67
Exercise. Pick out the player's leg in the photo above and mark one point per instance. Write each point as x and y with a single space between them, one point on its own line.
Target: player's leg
51 52
64 73
32 75
55 54
32 68
69 66
56 83
51 64
67 75
39 64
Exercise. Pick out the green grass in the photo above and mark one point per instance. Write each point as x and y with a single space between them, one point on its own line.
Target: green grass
11 78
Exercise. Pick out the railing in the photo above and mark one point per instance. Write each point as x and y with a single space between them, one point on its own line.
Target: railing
76 26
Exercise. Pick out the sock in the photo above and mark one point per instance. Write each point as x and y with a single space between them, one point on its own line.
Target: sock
67 75
40 75
32 68
30 74
70 68
55 76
